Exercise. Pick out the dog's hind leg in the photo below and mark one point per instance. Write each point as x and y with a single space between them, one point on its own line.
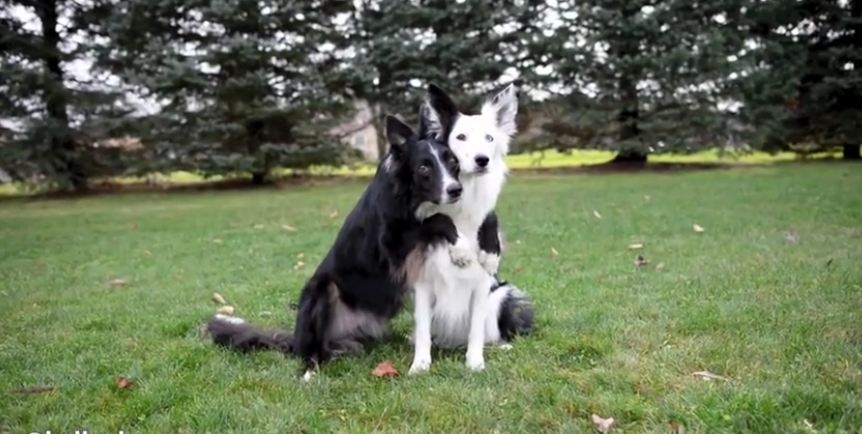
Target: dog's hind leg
313 322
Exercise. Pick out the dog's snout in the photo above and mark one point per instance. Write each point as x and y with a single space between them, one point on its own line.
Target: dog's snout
482 161
454 191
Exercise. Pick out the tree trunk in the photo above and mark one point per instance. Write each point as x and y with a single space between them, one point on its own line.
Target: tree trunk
630 156
258 178
851 152
377 122
56 102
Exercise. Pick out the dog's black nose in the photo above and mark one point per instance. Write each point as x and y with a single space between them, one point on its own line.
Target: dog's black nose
482 160
454 191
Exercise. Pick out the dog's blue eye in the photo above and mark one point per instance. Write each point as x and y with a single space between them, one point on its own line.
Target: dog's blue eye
489 138
461 137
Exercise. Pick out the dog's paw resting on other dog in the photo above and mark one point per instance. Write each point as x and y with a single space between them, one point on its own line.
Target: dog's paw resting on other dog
461 253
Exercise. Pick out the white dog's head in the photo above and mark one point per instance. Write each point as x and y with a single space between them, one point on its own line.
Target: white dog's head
479 141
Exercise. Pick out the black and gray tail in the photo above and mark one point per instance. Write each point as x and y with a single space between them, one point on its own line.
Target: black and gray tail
515 314
234 333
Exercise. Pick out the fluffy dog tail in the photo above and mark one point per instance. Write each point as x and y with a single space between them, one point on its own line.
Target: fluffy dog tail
515 314
234 333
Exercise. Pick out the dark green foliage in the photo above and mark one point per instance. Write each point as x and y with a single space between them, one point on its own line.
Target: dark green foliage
804 85
51 122
463 46
642 77
241 85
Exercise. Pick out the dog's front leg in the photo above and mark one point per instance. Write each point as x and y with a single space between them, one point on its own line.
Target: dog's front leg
421 330
476 338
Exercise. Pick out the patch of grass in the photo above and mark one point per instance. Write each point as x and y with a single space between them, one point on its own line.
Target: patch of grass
770 296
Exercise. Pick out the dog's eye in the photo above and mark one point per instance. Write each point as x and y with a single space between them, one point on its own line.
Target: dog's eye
461 137
423 169
489 137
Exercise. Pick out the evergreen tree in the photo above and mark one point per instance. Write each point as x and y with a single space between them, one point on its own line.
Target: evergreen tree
49 118
241 84
803 88
465 46
647 76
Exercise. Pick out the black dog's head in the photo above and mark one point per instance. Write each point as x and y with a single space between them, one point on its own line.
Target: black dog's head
422 162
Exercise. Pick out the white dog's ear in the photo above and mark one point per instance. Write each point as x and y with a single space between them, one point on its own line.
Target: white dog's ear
437 114
503 107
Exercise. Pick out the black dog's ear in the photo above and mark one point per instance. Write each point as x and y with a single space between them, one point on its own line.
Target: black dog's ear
398 134
438 114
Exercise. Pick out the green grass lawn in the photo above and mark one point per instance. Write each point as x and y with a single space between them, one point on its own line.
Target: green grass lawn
769 296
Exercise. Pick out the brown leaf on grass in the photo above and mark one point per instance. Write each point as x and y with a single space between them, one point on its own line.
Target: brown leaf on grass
519 269
640 261
147 253
601 424
124 382
697 228
333 214
226 310
791 237
709 376
288 227
298 265
133 226
385 369
660 266
217 240
117 282
33 390
300 255
554 252
596 213
636 246
676 428
218 299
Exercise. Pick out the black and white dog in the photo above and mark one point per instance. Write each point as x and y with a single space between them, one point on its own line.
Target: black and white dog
458 299
376 258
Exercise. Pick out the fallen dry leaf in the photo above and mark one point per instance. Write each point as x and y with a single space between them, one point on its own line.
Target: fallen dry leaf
791 237
133 226
697 228
258 226
226 310
125 382
299 264
554 252
385 369
148 253
636 246
519 269
601 424
217 240
676 428
117 282
640 261
300 255
660 266
288 227
33 390
709 376
218 298
596 213
333 214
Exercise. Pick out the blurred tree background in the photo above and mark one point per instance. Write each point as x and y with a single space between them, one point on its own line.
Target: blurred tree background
91 89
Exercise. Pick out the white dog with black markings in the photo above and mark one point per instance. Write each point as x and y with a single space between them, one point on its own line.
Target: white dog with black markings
458 298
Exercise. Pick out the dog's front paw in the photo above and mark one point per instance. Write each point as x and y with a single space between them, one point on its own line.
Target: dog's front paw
489 261
420 365
476 363
461 255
